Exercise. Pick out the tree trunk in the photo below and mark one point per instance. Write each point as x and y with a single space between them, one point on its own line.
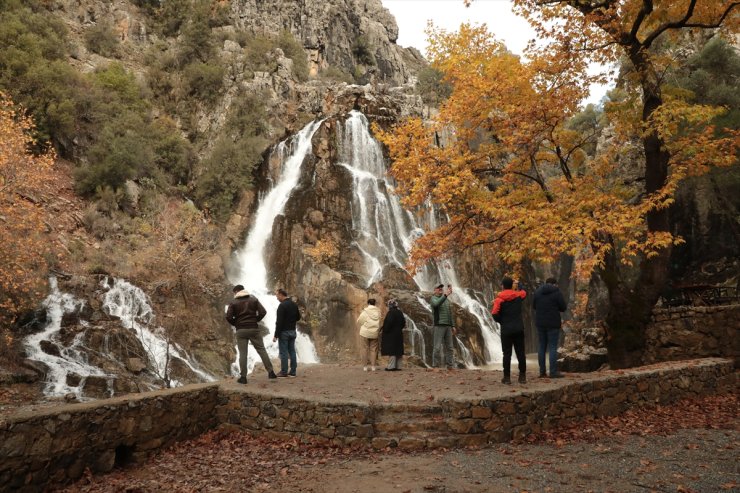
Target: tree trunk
631 301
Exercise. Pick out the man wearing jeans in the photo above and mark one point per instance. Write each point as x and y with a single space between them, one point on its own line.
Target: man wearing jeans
244 313
285 332
444 327
548 304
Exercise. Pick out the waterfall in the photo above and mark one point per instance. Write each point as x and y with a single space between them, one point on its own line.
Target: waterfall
69 360
131 305
415 334
252 269
385 232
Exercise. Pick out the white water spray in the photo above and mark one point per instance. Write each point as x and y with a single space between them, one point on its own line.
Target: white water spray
127 302
69 361
252 268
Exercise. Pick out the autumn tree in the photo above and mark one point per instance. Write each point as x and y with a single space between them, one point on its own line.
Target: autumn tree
25 252
516 180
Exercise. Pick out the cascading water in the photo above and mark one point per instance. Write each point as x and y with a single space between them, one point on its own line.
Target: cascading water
122 300
127 302
385 232
252 269
69 360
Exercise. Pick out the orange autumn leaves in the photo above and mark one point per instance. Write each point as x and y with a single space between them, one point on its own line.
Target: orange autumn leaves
23 250
512 176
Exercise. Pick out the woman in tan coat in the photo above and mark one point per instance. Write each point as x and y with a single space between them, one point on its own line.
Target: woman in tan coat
369 322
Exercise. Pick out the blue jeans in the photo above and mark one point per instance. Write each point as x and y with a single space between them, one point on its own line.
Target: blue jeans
286 349
548 339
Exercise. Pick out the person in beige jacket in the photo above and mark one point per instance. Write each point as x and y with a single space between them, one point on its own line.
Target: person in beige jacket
369 322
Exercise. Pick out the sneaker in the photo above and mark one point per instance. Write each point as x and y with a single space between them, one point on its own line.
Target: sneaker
506 380
242 380
374 368
557 375
282 374
291 375
271 375
543 375
364 368
522 378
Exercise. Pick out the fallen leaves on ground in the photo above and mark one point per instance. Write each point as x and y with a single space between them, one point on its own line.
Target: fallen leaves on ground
713 412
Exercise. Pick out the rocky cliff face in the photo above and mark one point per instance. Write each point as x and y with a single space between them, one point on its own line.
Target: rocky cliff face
333 32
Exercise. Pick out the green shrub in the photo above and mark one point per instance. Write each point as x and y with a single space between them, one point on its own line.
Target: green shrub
203 80
363 51
257 54
431 86
294 50
101 39
227 172
197 40
228 169
171 16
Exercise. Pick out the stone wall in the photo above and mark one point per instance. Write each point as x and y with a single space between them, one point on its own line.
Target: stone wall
686 332
55 446
459 423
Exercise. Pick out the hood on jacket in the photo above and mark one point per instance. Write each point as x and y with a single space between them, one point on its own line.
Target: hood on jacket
510 294
241 294
372 311
547 289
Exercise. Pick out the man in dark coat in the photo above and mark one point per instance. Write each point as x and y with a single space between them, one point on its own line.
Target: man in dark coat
391 336
507 311
285 332
548 305
244 313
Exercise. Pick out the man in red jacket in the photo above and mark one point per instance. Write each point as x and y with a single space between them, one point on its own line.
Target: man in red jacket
507 311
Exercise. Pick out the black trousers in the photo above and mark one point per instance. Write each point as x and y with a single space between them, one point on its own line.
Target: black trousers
517 341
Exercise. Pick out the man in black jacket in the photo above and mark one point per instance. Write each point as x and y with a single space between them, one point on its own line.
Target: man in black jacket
285 332
548 304
244 313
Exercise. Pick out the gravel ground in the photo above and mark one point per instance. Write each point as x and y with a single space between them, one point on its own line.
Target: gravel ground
700 461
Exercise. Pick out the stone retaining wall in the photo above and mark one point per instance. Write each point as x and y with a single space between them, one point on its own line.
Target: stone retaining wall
55 446
458 423
687 332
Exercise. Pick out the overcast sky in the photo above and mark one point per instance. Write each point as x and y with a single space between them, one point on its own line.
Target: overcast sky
514 31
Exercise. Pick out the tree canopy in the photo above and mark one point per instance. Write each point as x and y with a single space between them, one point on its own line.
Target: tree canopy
25 253
514 175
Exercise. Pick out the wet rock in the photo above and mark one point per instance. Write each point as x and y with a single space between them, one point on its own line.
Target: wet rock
50 348
97 387
73 379
135 365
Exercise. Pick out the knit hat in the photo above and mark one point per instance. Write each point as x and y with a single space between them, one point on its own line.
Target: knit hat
392 303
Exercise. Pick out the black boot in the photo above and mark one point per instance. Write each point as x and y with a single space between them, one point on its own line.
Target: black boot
522 378
506 380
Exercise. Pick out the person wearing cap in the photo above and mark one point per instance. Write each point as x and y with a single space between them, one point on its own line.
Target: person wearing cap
507 311
548 304
444 327
243 314
391 336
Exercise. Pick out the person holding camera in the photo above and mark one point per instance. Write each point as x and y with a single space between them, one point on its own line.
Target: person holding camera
444 327
507 311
